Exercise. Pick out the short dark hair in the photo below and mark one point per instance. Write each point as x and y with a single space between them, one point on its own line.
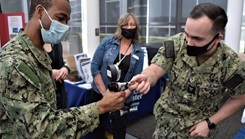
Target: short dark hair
123 20
45 3
213 12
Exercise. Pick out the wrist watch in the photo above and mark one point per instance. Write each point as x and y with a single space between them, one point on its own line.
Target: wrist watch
211 125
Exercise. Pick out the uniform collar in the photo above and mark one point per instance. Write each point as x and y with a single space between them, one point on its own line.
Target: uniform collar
41 56
206 67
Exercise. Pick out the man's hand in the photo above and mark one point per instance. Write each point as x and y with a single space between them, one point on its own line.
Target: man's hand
60 74
141 84
63 73
199 130
111 101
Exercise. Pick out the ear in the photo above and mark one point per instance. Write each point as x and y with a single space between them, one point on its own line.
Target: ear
220 37
39 11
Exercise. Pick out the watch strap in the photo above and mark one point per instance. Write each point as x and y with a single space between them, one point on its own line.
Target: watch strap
211 125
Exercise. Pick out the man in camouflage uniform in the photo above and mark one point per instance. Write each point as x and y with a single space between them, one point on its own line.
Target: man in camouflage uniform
201 69
27 92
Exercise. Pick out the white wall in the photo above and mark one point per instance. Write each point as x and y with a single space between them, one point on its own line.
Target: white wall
233 28
90 22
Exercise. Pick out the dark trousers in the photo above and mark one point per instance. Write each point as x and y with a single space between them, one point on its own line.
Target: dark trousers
118 126
117 123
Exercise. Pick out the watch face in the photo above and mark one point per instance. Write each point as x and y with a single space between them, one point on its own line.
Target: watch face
212 126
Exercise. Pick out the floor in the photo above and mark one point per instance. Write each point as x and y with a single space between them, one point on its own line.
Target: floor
143 127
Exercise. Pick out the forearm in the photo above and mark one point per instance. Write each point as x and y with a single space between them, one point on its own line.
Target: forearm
99 83
153 72
128 92
230 107
44 122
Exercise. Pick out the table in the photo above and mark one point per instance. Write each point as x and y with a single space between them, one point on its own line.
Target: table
77 96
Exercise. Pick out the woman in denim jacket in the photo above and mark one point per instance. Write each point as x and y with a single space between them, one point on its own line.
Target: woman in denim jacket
120 50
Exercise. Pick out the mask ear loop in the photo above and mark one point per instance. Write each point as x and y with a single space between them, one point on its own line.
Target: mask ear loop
215 37
47 14
48 17
40 23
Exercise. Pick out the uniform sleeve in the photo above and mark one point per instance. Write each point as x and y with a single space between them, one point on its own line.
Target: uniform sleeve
235 75
25 112
160 59
163 59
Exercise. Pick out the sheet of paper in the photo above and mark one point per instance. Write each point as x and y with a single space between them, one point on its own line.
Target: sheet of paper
243 117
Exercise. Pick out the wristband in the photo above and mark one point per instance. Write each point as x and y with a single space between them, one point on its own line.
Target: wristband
211 125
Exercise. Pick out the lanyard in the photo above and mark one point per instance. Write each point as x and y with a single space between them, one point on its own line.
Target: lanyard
120 60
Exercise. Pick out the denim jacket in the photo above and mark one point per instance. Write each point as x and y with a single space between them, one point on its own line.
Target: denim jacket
106 54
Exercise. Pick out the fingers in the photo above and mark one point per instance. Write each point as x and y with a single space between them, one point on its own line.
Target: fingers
59 80
135 82
142 87
58 77
141 84
123 94
192 128
133 86
61 76
199 135
113 100
196 132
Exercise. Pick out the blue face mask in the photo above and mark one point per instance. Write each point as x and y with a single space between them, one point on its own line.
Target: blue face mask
56 33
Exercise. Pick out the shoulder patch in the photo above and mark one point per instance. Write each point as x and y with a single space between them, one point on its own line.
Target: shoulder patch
28 74
169 48
233 82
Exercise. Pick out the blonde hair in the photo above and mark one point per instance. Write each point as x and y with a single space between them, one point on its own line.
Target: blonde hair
123 20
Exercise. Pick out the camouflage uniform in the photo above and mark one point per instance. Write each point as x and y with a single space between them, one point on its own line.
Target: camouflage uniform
27 97
193 92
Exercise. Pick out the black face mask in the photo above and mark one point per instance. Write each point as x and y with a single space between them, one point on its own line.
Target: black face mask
128 33
195 51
